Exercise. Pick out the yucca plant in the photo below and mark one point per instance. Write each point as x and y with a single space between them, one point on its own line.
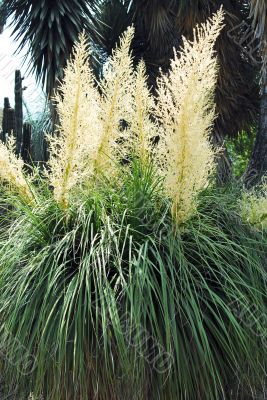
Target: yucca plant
50 29
123 275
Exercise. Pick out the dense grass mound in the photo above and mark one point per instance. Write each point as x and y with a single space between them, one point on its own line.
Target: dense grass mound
117 302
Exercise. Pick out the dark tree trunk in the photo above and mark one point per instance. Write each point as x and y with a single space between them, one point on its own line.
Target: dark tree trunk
26 143
224 163
257 167
18 110
8 122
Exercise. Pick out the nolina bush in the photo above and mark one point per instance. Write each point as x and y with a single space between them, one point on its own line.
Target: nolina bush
124 273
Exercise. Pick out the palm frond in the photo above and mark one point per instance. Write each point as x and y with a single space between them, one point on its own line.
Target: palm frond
259 15
3 15
50 29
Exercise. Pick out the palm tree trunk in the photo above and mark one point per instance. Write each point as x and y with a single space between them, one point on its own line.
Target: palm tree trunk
257 167
224 163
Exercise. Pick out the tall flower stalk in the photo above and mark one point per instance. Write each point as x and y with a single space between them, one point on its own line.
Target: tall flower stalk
11 171
74 148
186 111
116 103
143 128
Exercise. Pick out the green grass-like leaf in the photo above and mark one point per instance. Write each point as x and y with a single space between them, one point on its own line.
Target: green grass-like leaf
113 301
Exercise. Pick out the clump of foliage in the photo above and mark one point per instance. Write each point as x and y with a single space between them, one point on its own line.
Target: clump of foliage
123 271
254 207
240 150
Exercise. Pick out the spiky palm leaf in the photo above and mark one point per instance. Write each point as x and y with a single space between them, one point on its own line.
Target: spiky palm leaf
50 28
110 19
3 14
155 35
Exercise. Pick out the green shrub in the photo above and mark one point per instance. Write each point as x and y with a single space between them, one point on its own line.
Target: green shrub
254 207
240 150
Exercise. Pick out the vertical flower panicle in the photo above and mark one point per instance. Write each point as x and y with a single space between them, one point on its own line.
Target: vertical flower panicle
74 149
186 111
117 89
142 127
11 170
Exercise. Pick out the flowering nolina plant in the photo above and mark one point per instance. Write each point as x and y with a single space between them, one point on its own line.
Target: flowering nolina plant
121 255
